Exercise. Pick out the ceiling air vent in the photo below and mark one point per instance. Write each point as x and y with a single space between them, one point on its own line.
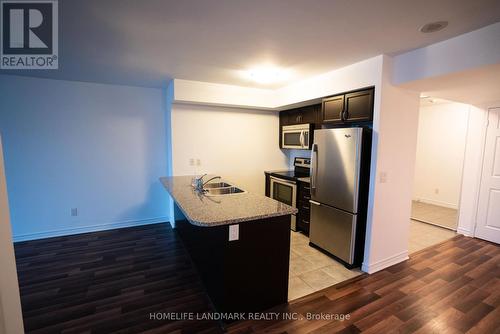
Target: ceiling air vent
433 26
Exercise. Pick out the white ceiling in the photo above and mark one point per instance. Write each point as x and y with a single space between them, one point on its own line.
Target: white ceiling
148 42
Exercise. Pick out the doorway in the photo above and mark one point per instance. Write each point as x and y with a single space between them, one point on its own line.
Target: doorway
441 141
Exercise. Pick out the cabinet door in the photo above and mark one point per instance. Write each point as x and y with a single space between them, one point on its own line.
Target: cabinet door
295 116
359 106
284 119
309 114
332 109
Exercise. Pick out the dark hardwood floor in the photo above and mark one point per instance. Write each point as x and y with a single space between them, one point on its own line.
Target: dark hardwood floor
110 282
453 287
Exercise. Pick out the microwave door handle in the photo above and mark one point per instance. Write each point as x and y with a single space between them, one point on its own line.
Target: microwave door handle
302 139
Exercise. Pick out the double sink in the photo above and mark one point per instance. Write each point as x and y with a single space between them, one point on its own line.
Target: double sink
221 189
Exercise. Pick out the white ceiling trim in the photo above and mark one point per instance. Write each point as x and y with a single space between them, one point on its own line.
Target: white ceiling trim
362 74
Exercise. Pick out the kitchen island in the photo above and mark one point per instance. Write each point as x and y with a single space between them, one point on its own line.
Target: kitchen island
239 243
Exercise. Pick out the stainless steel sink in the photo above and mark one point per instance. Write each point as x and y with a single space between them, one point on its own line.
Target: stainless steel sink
216 185
224 191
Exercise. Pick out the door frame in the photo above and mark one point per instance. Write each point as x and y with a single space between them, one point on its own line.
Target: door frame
483 157
466 228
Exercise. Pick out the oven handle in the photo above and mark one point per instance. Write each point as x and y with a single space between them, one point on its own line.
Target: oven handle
278 180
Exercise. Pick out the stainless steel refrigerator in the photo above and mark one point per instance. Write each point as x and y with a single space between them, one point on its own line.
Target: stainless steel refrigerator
339 189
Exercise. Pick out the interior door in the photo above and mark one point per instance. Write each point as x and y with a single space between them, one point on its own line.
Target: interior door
488 218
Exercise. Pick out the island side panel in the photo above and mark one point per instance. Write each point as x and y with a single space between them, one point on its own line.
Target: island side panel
245 275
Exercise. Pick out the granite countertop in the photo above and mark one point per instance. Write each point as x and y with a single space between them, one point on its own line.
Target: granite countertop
207 211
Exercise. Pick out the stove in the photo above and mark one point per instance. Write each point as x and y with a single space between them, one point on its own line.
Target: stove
283 184
299 173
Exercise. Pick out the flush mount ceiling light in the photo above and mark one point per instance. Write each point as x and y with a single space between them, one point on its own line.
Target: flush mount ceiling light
433 26
266 74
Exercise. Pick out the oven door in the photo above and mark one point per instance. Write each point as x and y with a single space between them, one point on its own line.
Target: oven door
285 191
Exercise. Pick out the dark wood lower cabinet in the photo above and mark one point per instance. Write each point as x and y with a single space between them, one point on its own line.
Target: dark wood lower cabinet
246 275
304 207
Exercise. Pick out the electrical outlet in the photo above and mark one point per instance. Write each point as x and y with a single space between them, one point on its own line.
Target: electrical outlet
198 162
74 212
191 162
234 232
436 191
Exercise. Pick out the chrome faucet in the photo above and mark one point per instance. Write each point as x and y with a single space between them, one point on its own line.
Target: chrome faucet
199 184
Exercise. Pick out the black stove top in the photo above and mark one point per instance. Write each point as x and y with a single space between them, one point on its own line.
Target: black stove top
291 174
302 166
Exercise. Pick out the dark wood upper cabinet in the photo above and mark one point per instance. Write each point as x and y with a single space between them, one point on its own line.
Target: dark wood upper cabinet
303 115
351 107
333 109
359 106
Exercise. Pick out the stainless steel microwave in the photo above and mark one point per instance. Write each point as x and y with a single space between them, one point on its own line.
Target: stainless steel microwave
296 136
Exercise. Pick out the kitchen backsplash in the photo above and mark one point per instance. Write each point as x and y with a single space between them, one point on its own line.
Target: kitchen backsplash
292 154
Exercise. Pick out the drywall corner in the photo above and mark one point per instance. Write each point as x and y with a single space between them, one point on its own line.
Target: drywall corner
11 320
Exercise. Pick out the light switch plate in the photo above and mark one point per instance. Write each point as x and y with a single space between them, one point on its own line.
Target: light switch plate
234 232
383 177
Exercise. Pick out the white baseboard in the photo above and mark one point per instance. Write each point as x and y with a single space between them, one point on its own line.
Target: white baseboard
465 232
87 229
439 203
371 268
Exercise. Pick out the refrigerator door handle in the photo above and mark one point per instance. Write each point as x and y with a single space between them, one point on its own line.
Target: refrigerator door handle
314 166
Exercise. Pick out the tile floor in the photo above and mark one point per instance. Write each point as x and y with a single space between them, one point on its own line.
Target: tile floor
423 235
434 214
311 270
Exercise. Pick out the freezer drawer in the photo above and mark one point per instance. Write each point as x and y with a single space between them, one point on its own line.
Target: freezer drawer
333 231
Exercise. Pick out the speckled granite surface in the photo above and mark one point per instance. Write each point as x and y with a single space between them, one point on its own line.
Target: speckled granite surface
207 211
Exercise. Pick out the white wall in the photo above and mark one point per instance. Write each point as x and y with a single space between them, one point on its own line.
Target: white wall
391 181
238 144
442 130
471 50
99 148
208 93
11 321
358 75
